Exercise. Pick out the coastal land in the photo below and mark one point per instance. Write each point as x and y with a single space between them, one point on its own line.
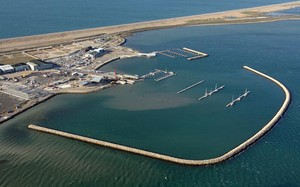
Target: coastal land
78 72
246 15
71 51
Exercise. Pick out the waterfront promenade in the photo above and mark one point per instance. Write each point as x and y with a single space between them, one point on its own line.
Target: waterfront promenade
216 160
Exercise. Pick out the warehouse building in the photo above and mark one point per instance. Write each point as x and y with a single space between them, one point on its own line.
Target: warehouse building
6 69
95 53
21 67
36 65
32 66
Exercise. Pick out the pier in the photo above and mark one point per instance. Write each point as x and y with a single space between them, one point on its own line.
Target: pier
167 75
176 53
189 87
207 94
194 57
165 54
187 53
238 99
151 74
204 96
197 53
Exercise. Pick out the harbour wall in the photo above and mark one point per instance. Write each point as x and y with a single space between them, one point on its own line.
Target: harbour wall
212 161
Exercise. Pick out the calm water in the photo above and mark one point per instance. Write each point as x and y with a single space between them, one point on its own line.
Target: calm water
151 116
20 18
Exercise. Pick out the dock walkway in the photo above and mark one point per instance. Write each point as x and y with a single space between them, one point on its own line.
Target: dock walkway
168 75
207 94
238 99
189 87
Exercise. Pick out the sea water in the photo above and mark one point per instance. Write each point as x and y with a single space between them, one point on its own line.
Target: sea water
21 18
151 116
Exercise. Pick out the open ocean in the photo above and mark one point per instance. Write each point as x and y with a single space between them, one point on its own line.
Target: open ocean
21 18
150 115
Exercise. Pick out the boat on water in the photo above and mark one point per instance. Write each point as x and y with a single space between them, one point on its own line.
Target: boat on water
246 92
231 103
204 96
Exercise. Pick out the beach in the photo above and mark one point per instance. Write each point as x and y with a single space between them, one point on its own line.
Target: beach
246 15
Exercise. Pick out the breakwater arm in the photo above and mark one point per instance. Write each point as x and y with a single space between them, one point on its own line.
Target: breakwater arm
216 160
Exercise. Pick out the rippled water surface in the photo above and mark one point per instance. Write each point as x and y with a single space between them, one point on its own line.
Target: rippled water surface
150 115
21 18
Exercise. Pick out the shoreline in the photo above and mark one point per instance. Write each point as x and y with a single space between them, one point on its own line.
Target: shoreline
53 94
240 15
230 154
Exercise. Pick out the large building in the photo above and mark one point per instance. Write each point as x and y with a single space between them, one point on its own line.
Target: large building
6 69
39 65
95 53
21 67
32 66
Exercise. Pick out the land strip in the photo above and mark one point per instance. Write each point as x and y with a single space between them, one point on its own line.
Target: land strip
212 161
246 15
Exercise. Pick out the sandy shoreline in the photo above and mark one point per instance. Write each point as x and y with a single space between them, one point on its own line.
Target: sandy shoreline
27 42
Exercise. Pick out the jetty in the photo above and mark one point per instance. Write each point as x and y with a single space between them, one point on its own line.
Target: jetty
197 53
204 96
151 74
212 91
187 53
233 101
167 75
176 53
165 54
189 87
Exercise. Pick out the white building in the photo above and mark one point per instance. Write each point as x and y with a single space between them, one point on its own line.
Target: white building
32 66
39 65
94 53
7 69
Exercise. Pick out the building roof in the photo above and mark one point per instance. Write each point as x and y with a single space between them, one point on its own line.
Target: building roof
40 62
98 50
31 64
97 79
19 64
6 67
83 83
